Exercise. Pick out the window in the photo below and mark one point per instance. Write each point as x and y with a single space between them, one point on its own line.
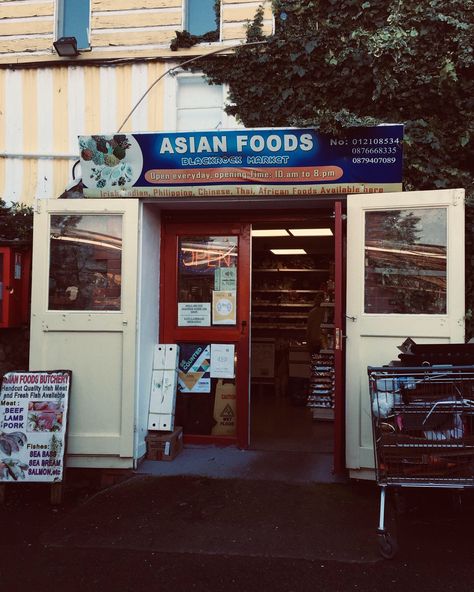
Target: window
406 261
199 104
207 284
85 269
202 16
74 21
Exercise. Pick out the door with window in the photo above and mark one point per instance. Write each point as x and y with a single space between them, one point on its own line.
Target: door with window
405 278
83 319
204 308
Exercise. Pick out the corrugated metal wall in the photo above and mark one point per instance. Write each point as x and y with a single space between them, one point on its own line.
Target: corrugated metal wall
46 101
47 108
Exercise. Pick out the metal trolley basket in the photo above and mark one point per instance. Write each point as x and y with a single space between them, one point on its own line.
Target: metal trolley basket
423 430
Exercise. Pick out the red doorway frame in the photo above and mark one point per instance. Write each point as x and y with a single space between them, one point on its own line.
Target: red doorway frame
339 394
274 217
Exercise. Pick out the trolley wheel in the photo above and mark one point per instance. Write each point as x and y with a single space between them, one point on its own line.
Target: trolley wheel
388 545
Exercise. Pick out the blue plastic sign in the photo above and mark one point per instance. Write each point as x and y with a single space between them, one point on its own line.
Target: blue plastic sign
245 162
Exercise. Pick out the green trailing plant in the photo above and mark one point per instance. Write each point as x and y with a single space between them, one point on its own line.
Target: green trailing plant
16 221
184 39
333 64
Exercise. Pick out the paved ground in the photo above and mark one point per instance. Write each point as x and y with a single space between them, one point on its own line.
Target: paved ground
261 465
201 533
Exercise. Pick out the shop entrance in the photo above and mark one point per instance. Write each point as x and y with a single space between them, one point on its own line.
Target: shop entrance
285 394
293 306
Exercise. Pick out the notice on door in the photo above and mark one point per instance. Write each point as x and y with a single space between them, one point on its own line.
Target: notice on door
222 360
224 310
194 314
225 409
194 368
33 414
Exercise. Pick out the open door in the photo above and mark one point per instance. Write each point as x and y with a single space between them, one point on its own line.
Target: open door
405 278
84 317
205 301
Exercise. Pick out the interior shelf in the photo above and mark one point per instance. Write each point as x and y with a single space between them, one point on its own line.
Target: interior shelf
286 315
289 269
287 291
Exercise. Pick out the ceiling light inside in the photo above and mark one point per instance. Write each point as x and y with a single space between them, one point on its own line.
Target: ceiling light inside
310 231
270 232
288 251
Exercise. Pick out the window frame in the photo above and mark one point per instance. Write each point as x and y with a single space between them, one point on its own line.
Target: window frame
185 20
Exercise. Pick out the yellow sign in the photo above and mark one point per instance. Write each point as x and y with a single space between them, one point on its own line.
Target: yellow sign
224 310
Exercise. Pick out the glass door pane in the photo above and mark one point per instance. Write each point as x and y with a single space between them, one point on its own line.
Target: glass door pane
406 261
207 281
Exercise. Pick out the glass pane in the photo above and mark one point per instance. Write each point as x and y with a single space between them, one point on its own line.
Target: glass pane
75 21
199 105
204 405
207 281
406 261
85 270
201 17
195 93
193 120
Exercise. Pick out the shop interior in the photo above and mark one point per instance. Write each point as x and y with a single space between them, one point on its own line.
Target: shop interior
292 328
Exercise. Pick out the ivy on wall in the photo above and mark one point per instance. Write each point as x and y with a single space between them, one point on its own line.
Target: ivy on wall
16 222
184 39
333 64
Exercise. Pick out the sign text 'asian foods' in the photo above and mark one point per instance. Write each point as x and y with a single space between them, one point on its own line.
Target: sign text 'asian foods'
247 163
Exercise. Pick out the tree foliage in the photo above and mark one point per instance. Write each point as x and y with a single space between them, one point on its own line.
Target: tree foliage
16 221
333 64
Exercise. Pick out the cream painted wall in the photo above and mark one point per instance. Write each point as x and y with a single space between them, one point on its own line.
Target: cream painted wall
119 28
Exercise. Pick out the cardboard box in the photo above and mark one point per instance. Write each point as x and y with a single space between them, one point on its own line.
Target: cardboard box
162 422
164 446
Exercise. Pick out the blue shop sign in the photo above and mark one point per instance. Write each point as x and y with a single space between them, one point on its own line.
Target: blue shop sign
244 162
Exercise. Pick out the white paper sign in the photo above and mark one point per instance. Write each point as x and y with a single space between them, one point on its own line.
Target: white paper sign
222 360
194 314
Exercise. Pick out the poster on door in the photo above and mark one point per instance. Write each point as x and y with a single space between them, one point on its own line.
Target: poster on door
33 422
194 375
225 409
224 311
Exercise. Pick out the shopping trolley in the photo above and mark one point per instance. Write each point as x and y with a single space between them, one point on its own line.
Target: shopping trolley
423 430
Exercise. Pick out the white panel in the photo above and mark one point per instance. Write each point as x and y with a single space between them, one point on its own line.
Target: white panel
139 88
95 401
194 92
13 135
170 87
76 106
199 119
199 105
45 132
148 328
108 102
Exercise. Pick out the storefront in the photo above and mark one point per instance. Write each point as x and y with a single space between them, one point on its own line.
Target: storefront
237 264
